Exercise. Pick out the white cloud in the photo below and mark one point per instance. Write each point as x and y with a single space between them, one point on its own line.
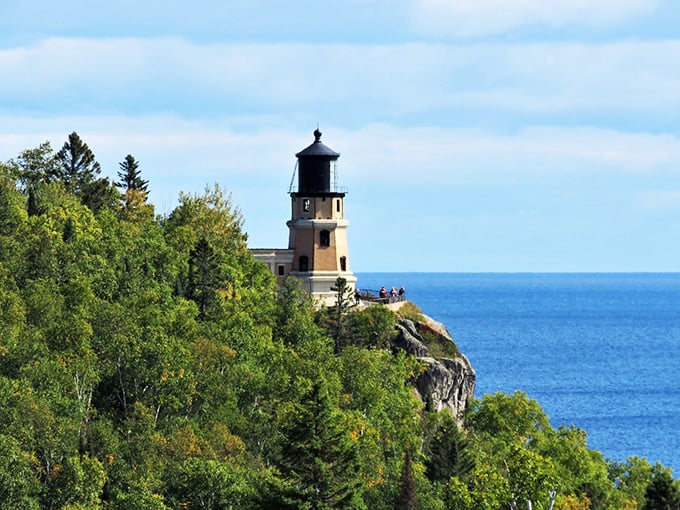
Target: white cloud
472 18
190 153
353 83
463 156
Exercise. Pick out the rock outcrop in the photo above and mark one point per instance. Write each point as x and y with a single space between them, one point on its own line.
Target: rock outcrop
444 383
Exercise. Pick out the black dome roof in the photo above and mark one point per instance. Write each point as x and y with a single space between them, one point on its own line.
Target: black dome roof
317 149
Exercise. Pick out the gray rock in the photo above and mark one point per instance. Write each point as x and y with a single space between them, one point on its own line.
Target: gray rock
447 383
409 339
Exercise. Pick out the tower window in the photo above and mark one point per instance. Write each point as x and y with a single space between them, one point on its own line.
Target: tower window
281 269
306 205
304 263
343 263
337 205
324 238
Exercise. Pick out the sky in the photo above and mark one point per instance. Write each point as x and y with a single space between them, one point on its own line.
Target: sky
475 135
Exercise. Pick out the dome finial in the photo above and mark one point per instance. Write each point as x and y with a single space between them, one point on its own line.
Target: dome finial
317 134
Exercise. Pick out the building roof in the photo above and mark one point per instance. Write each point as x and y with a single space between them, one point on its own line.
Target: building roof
318 148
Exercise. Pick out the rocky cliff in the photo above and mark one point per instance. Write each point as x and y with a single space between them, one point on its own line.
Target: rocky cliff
447 380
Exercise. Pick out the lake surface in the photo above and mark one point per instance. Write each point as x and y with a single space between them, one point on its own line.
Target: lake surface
599 351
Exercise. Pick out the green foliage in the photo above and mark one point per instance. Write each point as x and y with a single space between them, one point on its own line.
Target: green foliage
438 345
134 189
320 458
78 483
337 322
632 478
458 495
371 327
78 171
410 311
663 493
448 453
34 167
512 418
519 456
205 278
18 484
130 176
407 499
12 211
294 315
200 484
150 363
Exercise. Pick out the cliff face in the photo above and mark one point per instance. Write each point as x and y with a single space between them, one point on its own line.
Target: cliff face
447 382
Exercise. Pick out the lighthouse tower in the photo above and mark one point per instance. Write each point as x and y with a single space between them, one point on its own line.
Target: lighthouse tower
318 228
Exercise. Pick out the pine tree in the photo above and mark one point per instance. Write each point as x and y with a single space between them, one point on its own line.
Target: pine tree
204 276
448 452
69 230
77 165
34 204
663 493
407 494
319 457
337 317
78 171
130 175
98 193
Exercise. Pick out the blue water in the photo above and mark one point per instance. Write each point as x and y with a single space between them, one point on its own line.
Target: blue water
599 351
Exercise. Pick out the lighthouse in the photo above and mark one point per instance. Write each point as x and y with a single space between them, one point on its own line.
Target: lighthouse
317 251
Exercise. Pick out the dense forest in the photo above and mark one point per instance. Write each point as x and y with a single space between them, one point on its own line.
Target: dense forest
149 362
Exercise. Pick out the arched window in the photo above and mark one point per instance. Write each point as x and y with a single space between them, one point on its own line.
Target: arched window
324 238
343 263
304 263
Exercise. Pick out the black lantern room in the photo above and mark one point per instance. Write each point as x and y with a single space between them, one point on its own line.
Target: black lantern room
317 169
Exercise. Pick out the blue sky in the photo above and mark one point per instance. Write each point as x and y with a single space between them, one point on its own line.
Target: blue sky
475 135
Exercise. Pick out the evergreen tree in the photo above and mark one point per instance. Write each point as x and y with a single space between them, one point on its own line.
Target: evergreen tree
77 164
204 276
407 494
663 493
134 190
69 230
319 457
337 315
98 194
130 175
447 450
35 205
78 171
